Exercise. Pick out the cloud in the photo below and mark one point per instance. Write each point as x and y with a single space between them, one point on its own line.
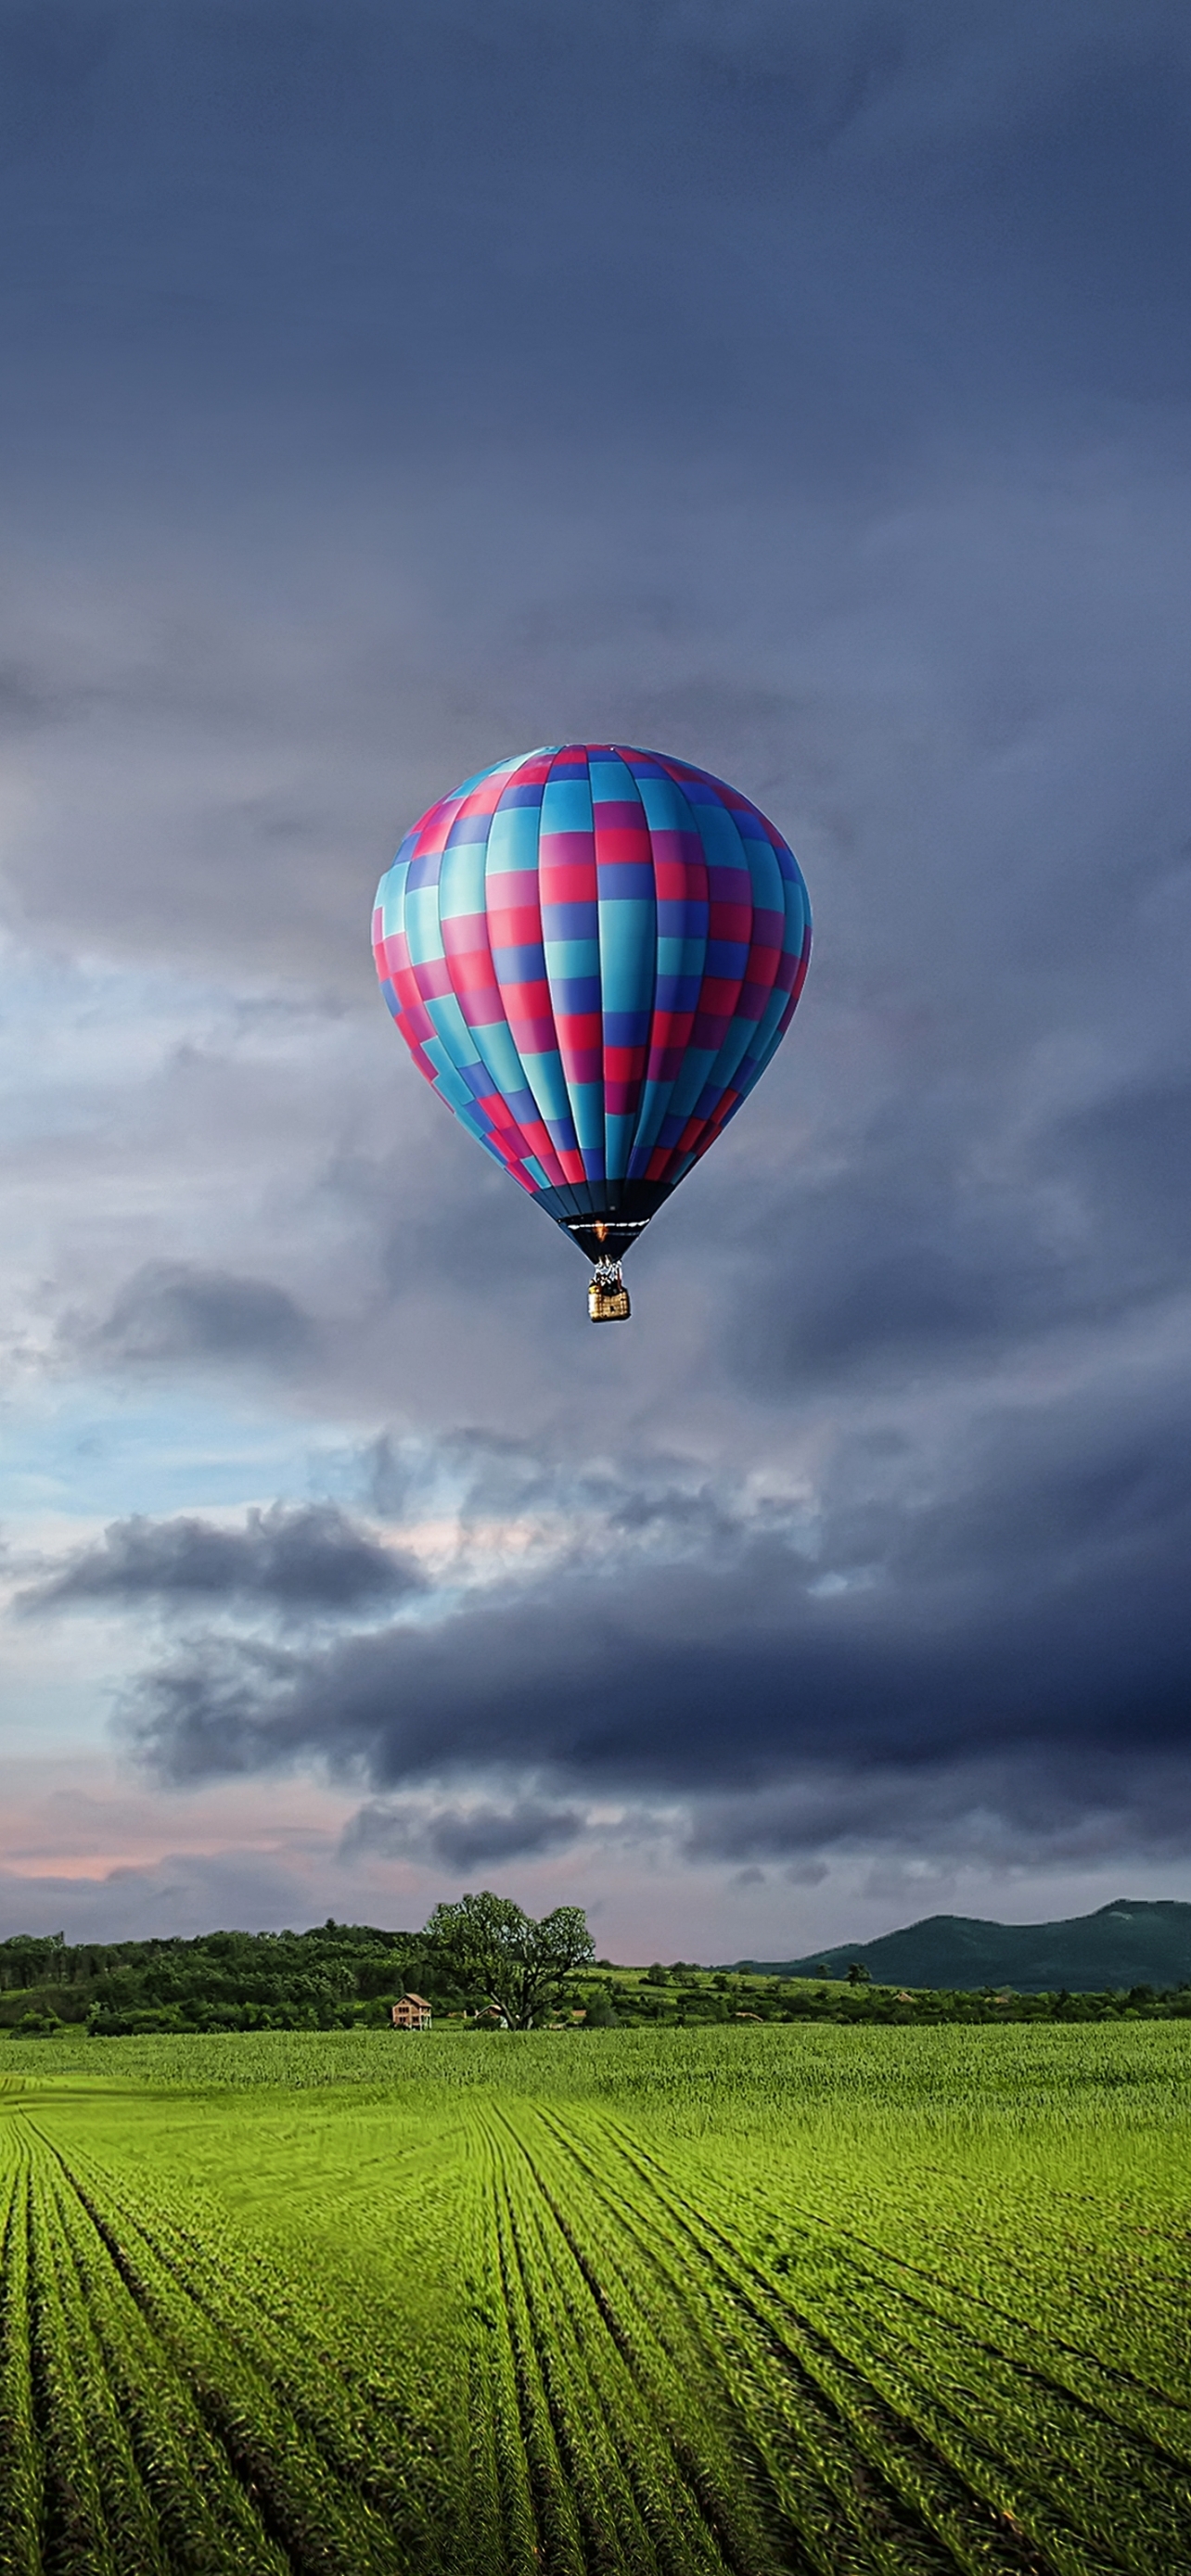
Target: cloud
1017 1642
1028 1811
251 1884
462 1838
174 1311
28 700
299 1561
1127 1158
522 1499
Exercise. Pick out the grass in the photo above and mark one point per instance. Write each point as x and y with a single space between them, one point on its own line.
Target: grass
758 2299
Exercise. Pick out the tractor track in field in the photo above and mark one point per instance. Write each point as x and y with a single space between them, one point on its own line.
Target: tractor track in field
555 2333
1112 2375
877 2499
925 2389
687 2468
1152 2454
850 2448
1011 2524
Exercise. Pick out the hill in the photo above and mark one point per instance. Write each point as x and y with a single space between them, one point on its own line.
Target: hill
1123 1944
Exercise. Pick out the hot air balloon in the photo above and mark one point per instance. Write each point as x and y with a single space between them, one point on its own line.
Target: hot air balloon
591 953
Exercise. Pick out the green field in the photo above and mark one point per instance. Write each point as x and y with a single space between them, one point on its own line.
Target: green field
754 2299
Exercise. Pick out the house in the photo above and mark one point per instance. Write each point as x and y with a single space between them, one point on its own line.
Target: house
412 2013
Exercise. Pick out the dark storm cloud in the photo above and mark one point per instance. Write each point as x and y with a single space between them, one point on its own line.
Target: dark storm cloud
295 1561
174 1311
699 1678
460 1838
1032 1811
1020 1640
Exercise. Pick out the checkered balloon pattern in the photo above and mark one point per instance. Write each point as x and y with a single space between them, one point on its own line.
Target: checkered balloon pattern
591 953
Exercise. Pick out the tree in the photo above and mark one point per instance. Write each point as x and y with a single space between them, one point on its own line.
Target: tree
858 1974
486 1943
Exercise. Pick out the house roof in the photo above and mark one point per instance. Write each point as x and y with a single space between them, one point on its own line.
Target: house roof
416 1999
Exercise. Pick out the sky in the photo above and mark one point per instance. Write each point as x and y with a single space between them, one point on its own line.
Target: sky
801 387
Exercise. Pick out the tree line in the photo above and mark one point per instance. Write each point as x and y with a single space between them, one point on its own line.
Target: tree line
483 1958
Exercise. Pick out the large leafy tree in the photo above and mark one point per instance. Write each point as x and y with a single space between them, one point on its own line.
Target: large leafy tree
488 1946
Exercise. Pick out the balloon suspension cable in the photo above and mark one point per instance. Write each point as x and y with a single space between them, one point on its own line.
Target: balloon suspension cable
607 1296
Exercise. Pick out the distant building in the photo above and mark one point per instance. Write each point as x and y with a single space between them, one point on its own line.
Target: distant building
412 2013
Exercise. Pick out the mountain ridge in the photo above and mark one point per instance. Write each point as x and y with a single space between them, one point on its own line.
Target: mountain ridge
1131 1941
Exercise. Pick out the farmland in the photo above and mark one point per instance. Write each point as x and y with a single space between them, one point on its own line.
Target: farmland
754 2299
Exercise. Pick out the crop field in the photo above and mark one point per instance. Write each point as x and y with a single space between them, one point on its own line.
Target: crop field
748 2300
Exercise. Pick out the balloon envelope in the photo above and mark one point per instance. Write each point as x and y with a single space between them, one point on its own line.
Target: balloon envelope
591 953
